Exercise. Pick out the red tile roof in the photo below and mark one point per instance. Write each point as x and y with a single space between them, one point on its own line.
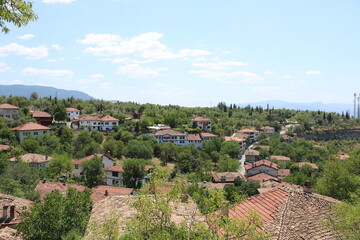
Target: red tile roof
40 114
256 147
280 158
247 131
268 128
20 204
5 147
206 134
97 118
116 168
194 137
229 176
234 139
108 118
210 185
268 163
80 161
33 158
169 132
72 110
201 119
262 177
113 191
30 127
8 106
313 165
342 156
284 172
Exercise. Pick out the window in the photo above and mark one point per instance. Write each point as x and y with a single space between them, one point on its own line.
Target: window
36 133
76 166
115 174
44 132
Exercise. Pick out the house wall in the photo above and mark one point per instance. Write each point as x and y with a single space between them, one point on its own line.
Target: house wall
73 115
262 169
197 143
36 133
251 158
10 113
113 180
178 140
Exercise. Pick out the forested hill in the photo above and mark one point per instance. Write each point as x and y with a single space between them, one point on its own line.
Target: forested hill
25 91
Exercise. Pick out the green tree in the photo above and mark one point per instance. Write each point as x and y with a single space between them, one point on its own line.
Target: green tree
56 216
93 172
34 96
97 136
228 164
115 148
59 166
168 152
231 148
139 149
133 172
17 12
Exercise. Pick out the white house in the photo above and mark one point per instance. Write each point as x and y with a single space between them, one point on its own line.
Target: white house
202 123
73 113
240 141
100 123
262 166
253 135
173 136
106 162
34 160
268 130
195 139
28 129
207 136
9 111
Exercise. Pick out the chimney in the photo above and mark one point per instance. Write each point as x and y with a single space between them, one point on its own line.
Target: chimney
5 208
308 187
12 212
44 181
204 184
106 193
46 157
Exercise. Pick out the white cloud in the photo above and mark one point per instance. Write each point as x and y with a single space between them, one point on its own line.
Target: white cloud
56 60
287 76
220 65
131 61
268 90
4 67
137 71
145 45
105 86
58 1
56 47
313 72
160 84
17 49
92 78
242 76
269 72
26 36
47 72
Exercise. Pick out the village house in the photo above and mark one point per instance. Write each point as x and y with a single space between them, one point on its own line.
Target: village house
287 138
251 155
72 113
262 166
27 129
159 127
240 141
282 159
207 136
99 123
202 123
12 209
258 147
195 139
289 212
114 174
42 118
175 137
35 160
226 177
106 160
268 130
313 165
253 135
5 148
9 111
262 177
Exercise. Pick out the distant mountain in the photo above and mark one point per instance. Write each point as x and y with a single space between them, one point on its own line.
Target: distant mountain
25 91
328 107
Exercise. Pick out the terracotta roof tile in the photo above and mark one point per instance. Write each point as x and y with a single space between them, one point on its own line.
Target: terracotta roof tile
40 114
113 191
247 131
30 127
169 132
234 139
284 172
252 153
20 205
280 158
262 177
227 176
108 118
72 110
267 128
201 119
33 158
80 161
116 168
194 137
206 134
313 165
260 163
8 106
5 147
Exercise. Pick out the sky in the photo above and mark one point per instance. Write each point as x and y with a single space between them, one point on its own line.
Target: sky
190 52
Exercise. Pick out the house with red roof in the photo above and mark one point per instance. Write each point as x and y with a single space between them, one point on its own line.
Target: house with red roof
12 209
195 139
42 118
268 130
262 166
202 123
27 129
279 158
172 136
99 123
313 165
9 111
114 174
106 160
226 177
251 155
207 136
33 159
73 113
253 135
240 141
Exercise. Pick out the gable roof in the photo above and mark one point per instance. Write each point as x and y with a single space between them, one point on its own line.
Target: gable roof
201 119
8 106
107 118
313 165
20 205
289 213
262 177
246 130
229 176
252 153
280 158
40 114
30 127
87 158
5 147
33 158
72 110
113 191
206 134
234 139
267 128
169 132
194 137
267 163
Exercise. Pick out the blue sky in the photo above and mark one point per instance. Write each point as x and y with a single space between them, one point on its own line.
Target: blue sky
190 53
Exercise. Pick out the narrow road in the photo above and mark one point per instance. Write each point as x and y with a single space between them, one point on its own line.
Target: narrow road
242 160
